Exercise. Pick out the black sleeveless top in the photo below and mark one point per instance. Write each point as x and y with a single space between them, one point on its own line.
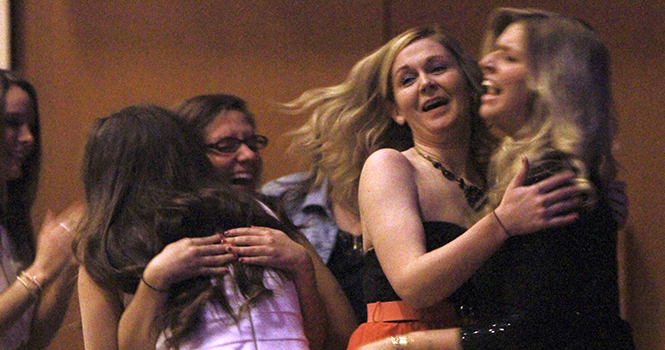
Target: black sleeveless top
375 283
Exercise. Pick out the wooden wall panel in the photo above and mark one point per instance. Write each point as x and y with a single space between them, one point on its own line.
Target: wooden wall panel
109 54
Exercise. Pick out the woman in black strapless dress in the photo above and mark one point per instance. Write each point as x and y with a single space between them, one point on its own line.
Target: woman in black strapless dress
547 87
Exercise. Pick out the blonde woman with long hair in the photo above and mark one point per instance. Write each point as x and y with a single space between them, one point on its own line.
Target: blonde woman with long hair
384 139
548 89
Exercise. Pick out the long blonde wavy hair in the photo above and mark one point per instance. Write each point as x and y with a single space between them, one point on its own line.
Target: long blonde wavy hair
351 120
570 119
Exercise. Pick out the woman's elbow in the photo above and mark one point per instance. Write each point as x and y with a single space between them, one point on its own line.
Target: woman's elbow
418 297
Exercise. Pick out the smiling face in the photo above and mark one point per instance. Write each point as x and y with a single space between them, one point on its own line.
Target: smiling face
430 91
17 122
242 167
505 104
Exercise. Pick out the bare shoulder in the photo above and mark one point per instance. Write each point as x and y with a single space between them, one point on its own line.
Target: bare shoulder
387 170
387 157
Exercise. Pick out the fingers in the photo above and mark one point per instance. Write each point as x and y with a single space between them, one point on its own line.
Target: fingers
49 223
72 215
254 236
555 181
248 231
217 259
620 206
564 207
561 220
67 220
567 193
74 211
619 198
212 249
249 245
202 241
208 248
616 193
267 256
519 178
620 211
249 241
253 250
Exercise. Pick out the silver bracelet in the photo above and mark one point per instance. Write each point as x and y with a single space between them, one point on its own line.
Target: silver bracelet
33 292
32 279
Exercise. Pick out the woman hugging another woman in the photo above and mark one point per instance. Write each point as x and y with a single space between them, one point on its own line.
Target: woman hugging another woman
158 271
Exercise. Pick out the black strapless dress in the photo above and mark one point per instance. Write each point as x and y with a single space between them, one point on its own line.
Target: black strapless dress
376 288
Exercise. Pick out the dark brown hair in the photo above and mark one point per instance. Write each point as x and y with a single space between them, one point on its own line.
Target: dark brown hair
18 195
201 110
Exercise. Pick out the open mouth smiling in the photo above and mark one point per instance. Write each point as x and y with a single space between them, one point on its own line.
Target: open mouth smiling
490 87
435 103
242 179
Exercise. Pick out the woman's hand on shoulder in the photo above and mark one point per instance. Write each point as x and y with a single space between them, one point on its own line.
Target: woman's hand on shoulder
267 247
546 204
187 258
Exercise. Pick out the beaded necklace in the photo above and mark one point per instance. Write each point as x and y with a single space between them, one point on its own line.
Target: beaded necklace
474 195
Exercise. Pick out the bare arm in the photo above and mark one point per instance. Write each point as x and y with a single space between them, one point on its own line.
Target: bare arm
186 258
53 271
52 308
440 339
341 318
56 295
100 314
14 302
394 227
311 303
317 287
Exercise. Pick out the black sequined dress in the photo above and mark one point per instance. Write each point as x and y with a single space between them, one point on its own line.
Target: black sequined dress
554 289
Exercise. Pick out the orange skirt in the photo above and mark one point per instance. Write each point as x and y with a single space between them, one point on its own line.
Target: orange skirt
387 319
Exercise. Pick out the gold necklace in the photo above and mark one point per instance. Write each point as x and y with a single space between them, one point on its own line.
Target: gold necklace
475 196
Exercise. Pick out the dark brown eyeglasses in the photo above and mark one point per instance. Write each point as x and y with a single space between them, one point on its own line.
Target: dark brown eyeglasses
231 144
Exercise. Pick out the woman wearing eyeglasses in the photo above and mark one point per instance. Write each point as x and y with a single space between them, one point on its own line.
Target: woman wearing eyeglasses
227 128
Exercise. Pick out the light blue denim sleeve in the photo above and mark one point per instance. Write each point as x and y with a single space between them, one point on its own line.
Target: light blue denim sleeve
312 213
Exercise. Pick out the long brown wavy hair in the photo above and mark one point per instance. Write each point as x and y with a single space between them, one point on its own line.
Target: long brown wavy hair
148 183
